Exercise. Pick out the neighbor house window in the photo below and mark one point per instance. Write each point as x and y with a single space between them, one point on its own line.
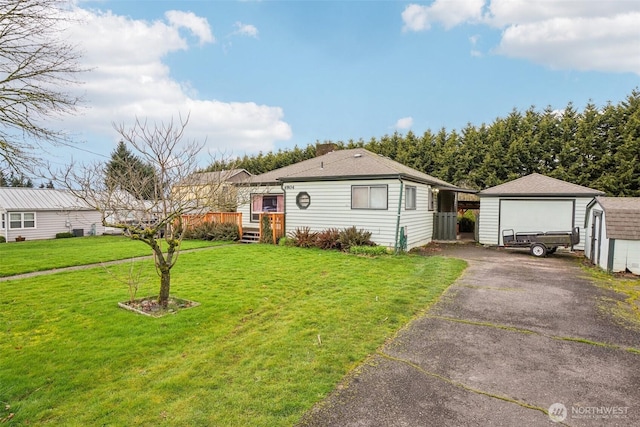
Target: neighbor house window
369 197
22 220
2 226
265 203
410 197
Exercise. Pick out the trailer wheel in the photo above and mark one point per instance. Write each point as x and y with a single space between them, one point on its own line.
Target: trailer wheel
538 250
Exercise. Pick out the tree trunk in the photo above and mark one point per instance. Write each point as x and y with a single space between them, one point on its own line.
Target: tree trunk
165 286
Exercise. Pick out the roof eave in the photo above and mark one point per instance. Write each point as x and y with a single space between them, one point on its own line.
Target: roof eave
481 194
406 177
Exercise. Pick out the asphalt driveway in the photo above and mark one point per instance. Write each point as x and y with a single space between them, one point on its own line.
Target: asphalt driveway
516 341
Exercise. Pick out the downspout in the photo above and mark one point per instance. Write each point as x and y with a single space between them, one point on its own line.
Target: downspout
284 210
397 246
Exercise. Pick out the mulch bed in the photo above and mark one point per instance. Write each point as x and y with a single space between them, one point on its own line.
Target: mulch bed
149 306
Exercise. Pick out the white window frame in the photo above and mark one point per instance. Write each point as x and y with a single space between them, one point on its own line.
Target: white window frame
369 199
410 197
22 220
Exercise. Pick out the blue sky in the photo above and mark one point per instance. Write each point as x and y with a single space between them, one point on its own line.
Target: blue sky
264 75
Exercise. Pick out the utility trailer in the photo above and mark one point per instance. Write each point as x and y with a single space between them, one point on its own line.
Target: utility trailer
541 243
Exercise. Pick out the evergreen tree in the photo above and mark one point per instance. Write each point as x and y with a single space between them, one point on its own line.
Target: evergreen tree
598 148
126 168
19 181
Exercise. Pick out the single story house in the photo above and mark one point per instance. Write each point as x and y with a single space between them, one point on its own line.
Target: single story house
612 225
344 188
533 203
40 213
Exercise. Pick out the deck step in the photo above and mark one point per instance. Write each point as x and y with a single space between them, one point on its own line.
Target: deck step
250 237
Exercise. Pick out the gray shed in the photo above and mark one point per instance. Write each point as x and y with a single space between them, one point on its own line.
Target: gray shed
613 233
533 203
39 213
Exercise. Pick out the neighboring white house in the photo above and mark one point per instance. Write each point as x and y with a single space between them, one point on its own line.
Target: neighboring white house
533 203
613 233
353 187
39 213
213 190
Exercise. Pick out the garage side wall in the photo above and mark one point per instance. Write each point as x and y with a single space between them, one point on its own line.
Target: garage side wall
489 220
580 213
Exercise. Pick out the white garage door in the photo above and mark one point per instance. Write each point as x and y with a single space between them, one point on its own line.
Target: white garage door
536 215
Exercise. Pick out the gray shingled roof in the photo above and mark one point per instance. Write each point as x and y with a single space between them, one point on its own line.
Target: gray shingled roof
539 185
356 163
622 215
39 199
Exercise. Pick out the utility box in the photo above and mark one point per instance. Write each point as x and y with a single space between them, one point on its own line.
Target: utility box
78 232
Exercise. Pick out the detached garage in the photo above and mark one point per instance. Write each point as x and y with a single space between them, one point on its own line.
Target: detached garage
533 203
613 233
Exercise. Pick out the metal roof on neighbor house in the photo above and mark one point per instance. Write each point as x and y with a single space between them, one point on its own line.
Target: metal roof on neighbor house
539 185
622 216
356 163
39 199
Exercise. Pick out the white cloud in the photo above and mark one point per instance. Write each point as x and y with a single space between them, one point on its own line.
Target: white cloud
197 25
415 18
245 29
128 78
404 123
602 44
448 13
578 34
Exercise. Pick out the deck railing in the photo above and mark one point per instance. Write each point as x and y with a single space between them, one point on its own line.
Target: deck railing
193 220
276 220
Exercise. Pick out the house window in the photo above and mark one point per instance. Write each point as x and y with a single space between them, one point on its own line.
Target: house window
410 197
265 203
22 220
303 200
369 197
2 226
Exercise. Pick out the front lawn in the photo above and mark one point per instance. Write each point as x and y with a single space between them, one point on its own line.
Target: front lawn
37 255
277 329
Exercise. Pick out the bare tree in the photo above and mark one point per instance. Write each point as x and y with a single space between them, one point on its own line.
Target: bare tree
124 199
36 68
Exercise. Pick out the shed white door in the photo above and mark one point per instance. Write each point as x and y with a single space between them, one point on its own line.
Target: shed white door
536 215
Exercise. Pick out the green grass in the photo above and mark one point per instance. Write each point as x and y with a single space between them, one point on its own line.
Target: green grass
277 330
627 312
37 255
